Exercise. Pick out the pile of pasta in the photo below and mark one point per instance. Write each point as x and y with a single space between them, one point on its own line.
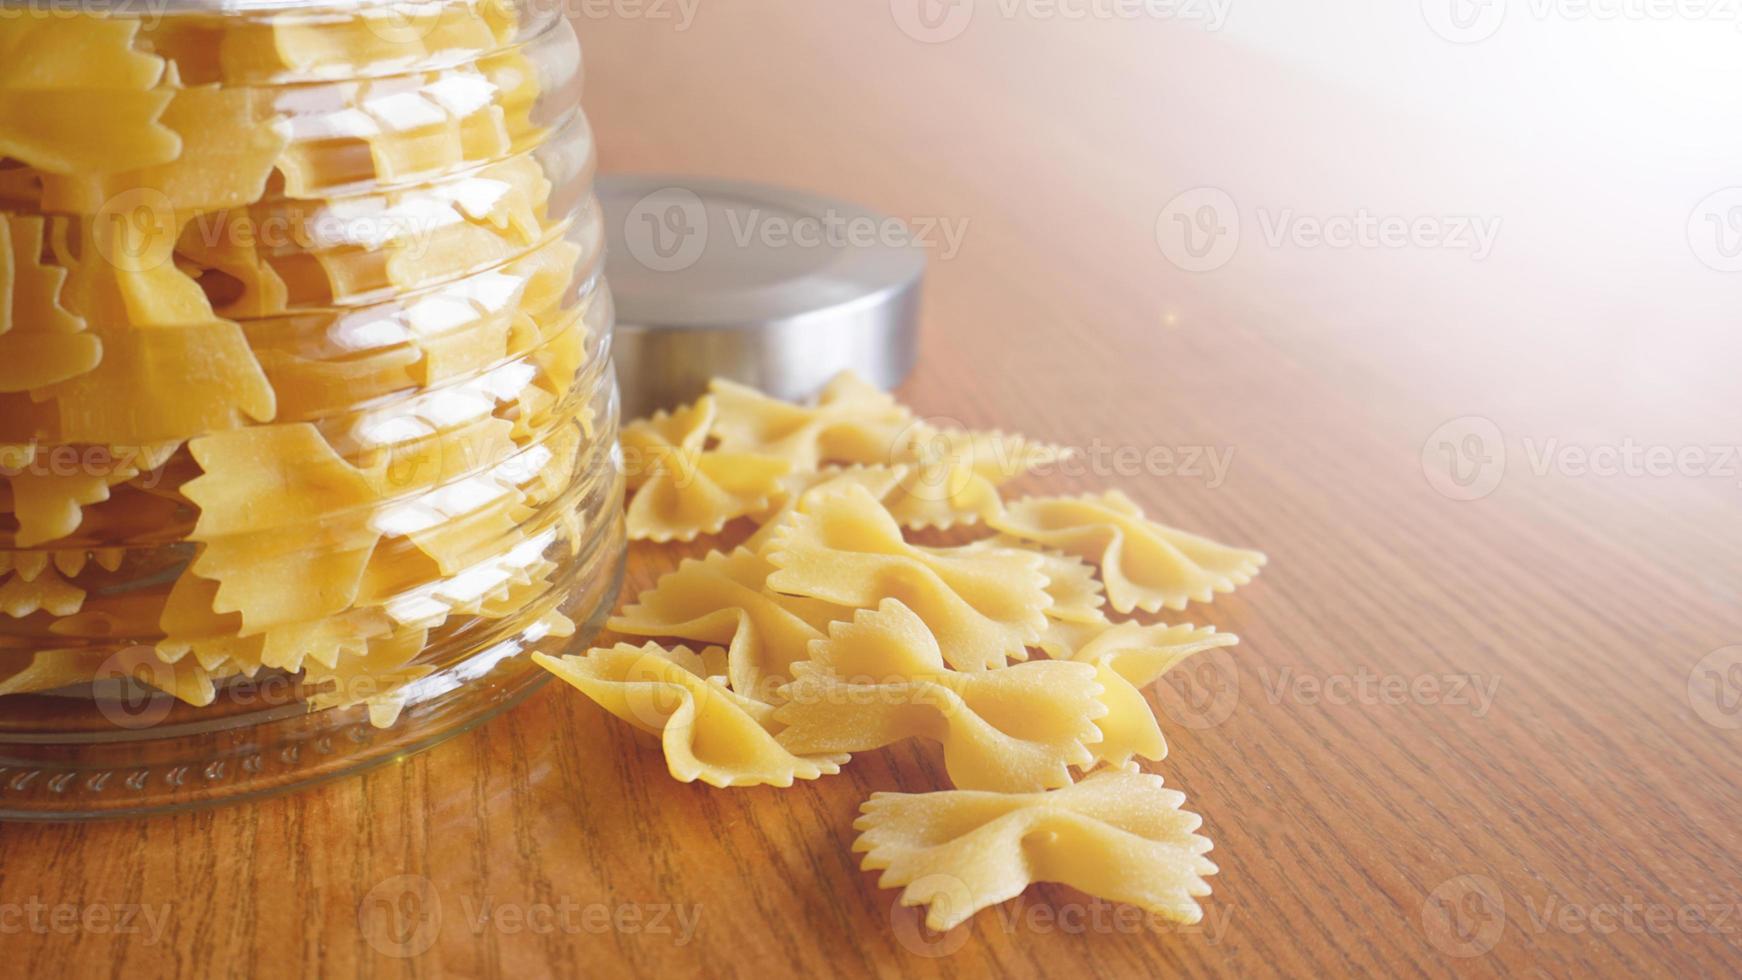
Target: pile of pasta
830 631
298 344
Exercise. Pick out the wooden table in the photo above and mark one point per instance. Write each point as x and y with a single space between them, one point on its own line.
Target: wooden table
1482 717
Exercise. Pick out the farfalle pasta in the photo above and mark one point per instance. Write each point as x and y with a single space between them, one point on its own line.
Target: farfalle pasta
683 489
984 604
1118 834
952 476
708 733
301 345
851 422
881 679
1145 565
723 599
1128 658
882 640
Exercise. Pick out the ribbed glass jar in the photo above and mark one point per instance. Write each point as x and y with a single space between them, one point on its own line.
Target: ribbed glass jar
307 416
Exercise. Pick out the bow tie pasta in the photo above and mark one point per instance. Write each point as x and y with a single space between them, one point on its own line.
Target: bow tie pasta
848 627
301 338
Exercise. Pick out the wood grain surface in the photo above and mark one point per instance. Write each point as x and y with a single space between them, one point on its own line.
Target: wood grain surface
1493 735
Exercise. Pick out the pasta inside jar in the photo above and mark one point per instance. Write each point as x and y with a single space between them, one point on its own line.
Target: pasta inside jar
307 416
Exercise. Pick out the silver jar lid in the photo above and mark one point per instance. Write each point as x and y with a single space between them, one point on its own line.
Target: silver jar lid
772 287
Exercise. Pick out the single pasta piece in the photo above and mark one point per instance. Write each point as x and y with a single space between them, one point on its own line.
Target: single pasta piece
879 480
1077 597
41 341
952 476
1128 658
683 489
985 605
881 679
76 96
1145 565
286 524
852 422
721 599
708 732
1118 835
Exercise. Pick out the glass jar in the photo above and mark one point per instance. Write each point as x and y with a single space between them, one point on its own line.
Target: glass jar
307 416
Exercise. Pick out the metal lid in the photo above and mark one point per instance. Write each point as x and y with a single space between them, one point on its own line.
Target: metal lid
768 286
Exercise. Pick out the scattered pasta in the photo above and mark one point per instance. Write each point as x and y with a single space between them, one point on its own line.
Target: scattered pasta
834 634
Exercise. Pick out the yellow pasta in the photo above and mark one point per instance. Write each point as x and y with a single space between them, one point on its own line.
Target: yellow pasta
1119 835
1145 565
879 480
682 489
952 476
852 422
722 599
41 341
46 592
76 96
881 679
708 732
986 605
1128 658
